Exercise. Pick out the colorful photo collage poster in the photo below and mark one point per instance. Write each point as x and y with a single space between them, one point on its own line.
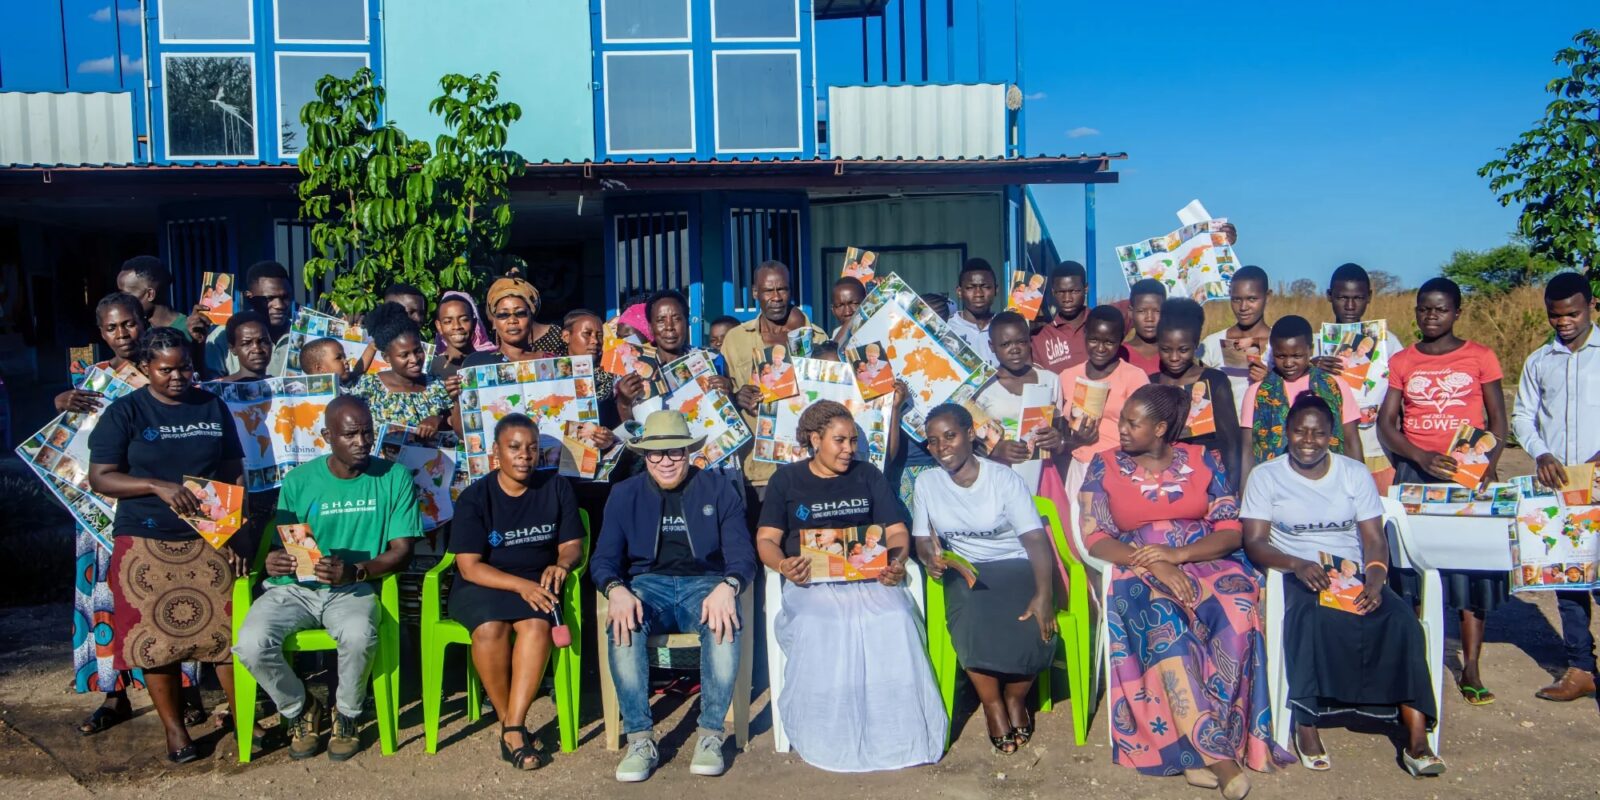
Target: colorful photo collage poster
279 422
1555 546
933 361
310 325
1363 348
1194 261
432 463
1444 500
552 391
59 455
776 440
710 412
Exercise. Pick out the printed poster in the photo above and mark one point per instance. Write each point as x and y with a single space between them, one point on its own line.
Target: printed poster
709 411
1194 261
1470 448
845 554
79 360
933 361
1027 294
279 422
432 463
1444 500
221 509
776 441
59 455
859 264
216 296
553 391
1363 348
1554 546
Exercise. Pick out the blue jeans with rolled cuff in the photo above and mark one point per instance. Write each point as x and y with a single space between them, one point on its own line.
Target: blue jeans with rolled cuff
672 605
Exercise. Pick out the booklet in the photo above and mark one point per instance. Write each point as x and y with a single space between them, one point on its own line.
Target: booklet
216 296
296 539
1238 354
221 509
845 554
1038 413
581 456
1579 488
775 375
1443 500
79 360
1555 546
1471 448
1089 399
800 343
859 264
874 373
1202 414
1027 294
1344 583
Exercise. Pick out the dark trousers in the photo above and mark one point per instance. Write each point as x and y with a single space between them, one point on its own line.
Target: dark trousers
1575 609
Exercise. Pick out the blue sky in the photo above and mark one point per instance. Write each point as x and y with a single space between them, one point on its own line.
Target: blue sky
1328 132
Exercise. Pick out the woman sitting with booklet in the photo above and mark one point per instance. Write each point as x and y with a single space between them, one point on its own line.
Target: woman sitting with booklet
858 691
975 522
1352 645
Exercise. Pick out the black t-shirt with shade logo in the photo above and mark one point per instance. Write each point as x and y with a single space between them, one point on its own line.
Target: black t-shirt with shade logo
519 535
147 438
674 556
799 500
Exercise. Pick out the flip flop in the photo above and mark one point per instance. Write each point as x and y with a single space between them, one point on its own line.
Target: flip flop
1476 695
101 720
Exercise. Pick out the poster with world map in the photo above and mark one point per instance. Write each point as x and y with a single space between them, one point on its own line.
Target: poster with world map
59 455
776 440
933 361
279 422
1194 261
1555 546
432 462
553 391
709 411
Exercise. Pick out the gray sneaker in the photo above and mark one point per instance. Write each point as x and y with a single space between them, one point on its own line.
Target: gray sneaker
639 761
708 757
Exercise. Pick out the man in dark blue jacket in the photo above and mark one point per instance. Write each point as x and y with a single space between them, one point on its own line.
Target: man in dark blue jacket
673 555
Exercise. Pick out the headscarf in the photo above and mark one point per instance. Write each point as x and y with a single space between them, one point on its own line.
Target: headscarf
512 286
634 317
480 335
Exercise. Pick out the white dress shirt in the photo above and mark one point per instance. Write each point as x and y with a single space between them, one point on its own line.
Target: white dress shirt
1558 401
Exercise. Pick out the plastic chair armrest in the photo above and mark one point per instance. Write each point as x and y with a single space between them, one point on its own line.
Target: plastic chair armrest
430 588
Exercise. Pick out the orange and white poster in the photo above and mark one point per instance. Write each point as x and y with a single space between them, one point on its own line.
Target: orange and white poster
1027 294
1470 450
845 554
1202 414
874 374
221 509
216 296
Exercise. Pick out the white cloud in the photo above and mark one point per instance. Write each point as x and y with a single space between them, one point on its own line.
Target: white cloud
98 66
1035 96
128 16
101 14
131 65
1082 131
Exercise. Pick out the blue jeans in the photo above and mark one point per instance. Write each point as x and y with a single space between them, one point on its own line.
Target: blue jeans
1574 608
672 605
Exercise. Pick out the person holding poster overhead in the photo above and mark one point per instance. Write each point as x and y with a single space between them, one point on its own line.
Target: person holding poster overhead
1349 292
1436 385
1371 662
359 513
1212 423
840 638
144 445
1002 624
1556 423
405 394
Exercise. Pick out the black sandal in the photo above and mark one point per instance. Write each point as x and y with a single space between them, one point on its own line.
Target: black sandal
1004 745
1022 735
185 754
528 757
194 717
103 719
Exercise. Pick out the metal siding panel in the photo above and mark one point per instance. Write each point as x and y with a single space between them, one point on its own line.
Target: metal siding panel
972 221
72 128
946 121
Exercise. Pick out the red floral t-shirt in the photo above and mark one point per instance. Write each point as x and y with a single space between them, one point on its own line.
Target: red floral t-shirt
1438 393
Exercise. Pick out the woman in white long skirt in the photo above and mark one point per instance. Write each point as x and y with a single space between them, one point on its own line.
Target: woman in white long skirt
858 692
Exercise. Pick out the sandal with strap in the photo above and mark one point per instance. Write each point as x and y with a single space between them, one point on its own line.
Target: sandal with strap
185 754
1476 695
528 757
1426 765
1004 745
1022 735
103 719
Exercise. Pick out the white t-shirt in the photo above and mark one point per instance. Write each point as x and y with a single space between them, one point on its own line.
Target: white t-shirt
981 522
1312 516
999 403
975 336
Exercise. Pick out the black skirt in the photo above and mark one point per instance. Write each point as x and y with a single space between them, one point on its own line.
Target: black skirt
983 620
1344 663
472 605
1464 590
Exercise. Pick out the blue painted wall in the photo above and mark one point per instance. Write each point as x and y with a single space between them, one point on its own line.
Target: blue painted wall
540 48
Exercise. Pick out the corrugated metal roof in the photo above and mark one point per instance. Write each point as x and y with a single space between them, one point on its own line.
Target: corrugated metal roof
66 128
942 121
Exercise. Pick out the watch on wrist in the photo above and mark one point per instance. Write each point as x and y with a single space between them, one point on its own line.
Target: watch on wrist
614 583
360 573
734 582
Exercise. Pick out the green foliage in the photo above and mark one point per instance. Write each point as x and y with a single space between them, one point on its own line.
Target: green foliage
1553 170
1498 270
389 208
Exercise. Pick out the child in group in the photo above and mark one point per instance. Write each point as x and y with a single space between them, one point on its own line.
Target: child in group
719 328
1002 398
326 357
1436 385
1144 305
1211 403
1349 292
1243 350
1266 404
847 296
1087 436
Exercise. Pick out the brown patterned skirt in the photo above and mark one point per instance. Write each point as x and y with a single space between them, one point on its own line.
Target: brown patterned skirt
172 600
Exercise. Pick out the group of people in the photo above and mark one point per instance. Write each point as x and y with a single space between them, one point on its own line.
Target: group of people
1183 518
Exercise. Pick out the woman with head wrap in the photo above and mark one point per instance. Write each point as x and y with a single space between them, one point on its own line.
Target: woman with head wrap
512 304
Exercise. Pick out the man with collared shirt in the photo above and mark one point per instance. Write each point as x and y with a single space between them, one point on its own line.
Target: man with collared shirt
1059 342
1555 422
976 288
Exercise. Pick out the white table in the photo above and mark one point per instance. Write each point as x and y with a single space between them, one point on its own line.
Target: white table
1429 544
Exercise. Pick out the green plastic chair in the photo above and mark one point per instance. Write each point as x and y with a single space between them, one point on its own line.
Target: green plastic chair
384 669
438 632
1073 623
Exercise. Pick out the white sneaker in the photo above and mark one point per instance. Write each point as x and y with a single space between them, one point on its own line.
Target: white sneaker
707 759
639 761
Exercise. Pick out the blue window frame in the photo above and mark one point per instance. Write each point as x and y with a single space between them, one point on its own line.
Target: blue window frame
228 77
703 79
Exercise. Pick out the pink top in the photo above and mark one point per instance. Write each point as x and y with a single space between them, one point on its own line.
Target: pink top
1124 379
1438 393
1349 408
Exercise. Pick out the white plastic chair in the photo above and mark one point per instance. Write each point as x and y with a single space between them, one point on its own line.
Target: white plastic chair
1277 670
1401 549
1101 654
773 587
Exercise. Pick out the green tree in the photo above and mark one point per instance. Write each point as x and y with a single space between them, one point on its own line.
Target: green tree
388 208
1500 269
1553 170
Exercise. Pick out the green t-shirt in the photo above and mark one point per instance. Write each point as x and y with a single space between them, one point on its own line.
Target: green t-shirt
353 519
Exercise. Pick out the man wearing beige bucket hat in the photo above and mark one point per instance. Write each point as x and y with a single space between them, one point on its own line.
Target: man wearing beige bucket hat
673 554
